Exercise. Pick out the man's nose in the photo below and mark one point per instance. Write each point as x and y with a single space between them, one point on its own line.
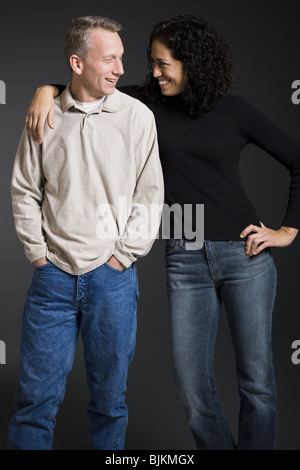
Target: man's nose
118 67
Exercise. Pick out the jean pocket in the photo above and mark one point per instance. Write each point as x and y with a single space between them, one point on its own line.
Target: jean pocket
171 246
118 271
45 265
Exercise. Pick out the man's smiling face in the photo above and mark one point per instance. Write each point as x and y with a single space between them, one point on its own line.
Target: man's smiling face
103 65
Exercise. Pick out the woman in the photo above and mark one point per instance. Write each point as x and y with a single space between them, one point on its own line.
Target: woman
202 129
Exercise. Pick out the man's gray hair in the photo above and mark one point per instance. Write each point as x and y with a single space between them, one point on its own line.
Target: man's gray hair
78 35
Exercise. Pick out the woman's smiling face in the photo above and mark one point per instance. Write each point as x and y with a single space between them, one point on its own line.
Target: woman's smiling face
170 73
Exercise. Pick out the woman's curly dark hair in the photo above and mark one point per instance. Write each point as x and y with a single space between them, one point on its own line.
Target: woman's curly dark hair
206 56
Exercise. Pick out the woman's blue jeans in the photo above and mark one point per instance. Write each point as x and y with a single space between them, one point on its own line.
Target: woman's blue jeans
198 281
102 305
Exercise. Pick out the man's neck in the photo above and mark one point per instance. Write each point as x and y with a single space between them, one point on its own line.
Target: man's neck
81 94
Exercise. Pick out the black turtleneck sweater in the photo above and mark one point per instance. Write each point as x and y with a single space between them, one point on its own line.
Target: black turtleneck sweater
200 160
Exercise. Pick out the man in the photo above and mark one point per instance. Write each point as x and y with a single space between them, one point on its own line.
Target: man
77 204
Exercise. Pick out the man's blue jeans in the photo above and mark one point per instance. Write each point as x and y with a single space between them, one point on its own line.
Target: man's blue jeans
102 305
198 281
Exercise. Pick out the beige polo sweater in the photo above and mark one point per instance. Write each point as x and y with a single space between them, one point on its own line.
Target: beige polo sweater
93 189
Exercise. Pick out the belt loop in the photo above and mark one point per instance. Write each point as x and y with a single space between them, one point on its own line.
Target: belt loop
181 243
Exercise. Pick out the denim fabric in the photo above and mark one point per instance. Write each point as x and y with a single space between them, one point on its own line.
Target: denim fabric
102 305
198 281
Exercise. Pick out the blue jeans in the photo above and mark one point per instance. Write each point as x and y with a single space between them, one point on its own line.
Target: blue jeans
102 305
198 281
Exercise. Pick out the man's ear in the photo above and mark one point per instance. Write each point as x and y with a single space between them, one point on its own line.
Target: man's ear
76 64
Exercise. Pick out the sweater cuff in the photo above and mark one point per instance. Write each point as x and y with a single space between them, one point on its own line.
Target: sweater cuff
125 259
291 221
36 253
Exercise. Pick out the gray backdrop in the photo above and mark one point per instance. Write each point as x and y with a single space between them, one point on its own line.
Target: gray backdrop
264 37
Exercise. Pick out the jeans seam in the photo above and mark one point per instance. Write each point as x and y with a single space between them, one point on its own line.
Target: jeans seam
207 375
134 307
133 279
60 394
219 271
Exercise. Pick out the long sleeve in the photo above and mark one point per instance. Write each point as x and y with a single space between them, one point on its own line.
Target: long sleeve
143 223
261 131
27 196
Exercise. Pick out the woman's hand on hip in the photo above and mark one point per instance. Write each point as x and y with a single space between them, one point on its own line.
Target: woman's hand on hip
263 237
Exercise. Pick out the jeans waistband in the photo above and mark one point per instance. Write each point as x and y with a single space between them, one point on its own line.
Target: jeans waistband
188 245
197 244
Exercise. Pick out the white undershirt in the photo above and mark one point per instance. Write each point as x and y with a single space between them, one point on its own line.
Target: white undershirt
87 107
